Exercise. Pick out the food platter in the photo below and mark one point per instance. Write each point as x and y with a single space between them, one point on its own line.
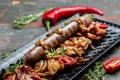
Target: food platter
102 46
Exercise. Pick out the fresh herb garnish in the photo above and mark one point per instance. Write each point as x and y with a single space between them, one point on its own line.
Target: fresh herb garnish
64 22
19 23
51 52
62 50
46 52
4 55
92 18
14 67
95 73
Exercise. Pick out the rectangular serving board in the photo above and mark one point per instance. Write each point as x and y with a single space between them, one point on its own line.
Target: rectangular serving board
109 41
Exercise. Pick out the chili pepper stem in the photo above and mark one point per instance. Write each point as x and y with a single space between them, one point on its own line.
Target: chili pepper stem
92 17
29 18
47 24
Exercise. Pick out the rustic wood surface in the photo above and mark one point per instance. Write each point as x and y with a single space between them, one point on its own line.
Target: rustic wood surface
12 39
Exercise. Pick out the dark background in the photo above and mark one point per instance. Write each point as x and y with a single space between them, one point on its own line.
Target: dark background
12 39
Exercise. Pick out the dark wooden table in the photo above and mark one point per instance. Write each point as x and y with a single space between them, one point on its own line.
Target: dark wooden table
12 39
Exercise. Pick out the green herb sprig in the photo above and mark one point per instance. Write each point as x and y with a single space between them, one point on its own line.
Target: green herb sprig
4 55
95 73
51 52
14 67
19 23
62 50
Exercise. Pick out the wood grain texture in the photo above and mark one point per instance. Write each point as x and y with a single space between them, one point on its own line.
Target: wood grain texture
11 38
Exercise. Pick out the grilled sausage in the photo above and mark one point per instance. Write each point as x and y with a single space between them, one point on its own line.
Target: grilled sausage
33 55
53 40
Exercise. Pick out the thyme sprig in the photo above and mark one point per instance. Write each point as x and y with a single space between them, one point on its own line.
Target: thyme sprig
20 22
95 73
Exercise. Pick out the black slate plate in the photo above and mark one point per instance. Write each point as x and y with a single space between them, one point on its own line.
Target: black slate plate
110 40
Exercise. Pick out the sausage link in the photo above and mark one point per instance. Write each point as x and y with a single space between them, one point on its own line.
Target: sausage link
51 41
69 29
54 40
33 56
87 19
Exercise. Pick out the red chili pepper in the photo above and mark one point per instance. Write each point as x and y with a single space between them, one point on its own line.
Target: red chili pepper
68 61
52 16
101 25
112 65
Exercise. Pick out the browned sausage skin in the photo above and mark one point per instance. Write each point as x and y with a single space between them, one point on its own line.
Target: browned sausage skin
53 40
33 55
